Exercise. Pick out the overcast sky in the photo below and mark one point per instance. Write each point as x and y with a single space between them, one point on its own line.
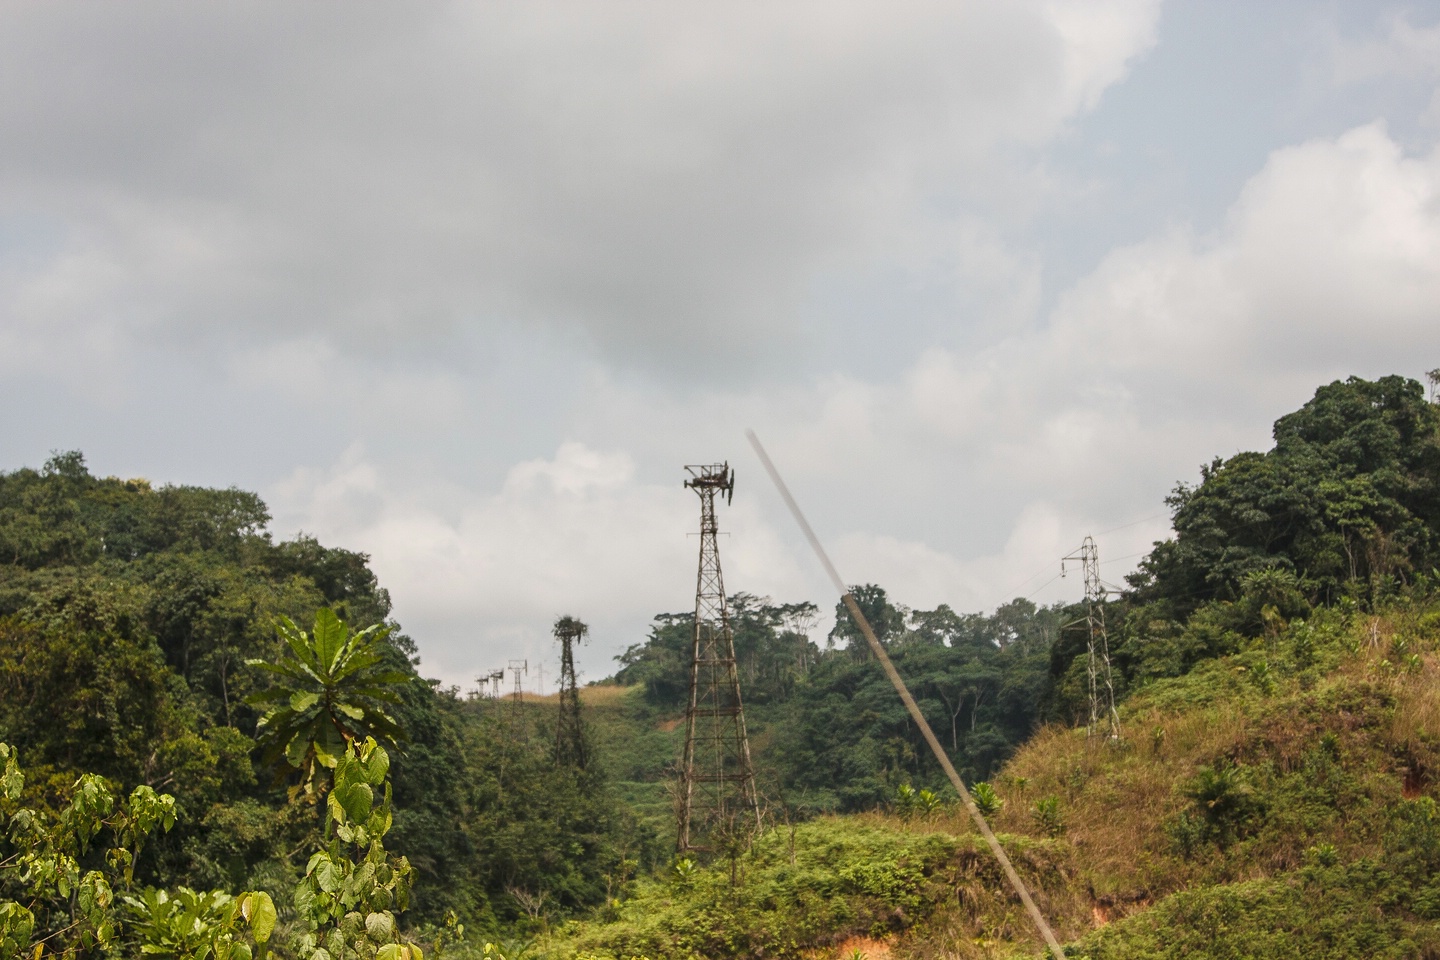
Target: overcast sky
464 286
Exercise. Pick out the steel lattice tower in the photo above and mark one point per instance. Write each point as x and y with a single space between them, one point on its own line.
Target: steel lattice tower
570 746
1098 647
717 780
518 668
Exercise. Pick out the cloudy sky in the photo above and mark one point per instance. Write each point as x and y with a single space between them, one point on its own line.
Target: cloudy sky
464 286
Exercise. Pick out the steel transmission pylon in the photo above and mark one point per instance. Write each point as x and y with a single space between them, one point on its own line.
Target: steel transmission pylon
518 669
1102 688
717 781
571 749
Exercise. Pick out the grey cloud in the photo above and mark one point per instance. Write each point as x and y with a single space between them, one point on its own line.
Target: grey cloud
637 172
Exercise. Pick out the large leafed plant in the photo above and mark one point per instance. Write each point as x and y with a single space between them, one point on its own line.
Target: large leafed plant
332 689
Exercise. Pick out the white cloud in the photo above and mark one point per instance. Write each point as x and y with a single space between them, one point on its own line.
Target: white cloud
960 479
416 228
273 173
487 572
1329 263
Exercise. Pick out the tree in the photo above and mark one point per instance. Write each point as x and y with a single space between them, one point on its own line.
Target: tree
1349 498
886 619
58 898
333 685
353 886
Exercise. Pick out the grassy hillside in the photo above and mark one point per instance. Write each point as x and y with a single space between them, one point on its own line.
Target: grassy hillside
1277 802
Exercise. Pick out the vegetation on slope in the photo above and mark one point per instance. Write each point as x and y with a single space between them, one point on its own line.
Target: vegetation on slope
127 615
1275 802
815 886
828 733
1300 768
1273 794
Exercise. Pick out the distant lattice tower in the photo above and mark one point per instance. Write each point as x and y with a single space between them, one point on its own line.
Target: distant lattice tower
717 780
518 669
570 747
1102 689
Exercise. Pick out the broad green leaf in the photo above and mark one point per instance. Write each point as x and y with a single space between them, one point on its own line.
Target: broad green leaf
304 899
12 781
380 927
262 916
329 638
329 876
377 767
380 822
295 751
329 744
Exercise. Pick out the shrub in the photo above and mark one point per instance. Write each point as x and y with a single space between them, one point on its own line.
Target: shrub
1225 801
1046 814
987 801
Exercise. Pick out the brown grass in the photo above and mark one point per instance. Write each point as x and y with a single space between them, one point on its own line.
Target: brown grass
599 695
1115 799
604 694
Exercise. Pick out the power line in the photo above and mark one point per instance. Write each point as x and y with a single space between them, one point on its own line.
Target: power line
1133 523
1034 593
1015 591
1021 585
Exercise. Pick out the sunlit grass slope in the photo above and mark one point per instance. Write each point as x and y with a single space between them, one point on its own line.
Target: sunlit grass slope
1273 803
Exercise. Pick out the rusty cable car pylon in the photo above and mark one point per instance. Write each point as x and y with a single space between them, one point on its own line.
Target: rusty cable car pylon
1098 646
571 750
717 780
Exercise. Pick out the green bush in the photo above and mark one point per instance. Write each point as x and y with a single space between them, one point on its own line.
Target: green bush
1047 818
987 801
838 878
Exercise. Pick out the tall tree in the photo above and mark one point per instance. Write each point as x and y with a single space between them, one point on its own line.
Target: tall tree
1350 495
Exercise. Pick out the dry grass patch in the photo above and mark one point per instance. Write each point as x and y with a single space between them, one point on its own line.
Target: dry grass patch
605 694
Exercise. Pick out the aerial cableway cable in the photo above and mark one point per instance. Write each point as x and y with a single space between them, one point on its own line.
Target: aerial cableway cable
849 600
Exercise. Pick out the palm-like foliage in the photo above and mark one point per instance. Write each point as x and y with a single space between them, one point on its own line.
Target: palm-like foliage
332 688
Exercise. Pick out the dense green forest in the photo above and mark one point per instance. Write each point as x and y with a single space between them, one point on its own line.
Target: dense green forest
831 735
219 744
127 615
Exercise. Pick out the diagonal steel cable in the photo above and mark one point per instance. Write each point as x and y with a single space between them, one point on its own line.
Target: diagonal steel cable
1040 922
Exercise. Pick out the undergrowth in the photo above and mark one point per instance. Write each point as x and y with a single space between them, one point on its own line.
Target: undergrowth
808 889
1276 802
